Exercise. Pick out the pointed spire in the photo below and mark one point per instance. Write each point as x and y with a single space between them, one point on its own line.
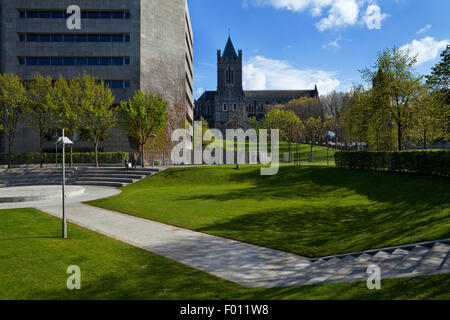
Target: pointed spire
229 51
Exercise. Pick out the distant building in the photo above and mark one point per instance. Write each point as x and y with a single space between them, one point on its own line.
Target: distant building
132 45
222 107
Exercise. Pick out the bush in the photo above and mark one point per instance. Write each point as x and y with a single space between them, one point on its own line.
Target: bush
435 162
50 158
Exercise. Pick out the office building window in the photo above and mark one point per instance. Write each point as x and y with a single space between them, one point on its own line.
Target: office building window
34 37
60 14
74 61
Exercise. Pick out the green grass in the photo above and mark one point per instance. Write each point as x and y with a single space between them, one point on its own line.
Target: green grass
34 260
312 211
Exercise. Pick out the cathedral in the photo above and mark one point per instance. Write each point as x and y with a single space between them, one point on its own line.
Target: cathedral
230 106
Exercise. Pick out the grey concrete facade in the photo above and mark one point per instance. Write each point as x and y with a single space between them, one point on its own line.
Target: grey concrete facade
230 103
159 53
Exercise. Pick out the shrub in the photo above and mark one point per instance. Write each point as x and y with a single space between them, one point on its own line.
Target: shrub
50 158
434 162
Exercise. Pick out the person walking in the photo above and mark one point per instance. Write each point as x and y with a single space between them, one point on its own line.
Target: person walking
127 162
135 160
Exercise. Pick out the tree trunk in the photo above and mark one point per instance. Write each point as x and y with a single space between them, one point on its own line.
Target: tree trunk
400 138
142 155
41 146
289 150
10 143
71 155
425 139
96 152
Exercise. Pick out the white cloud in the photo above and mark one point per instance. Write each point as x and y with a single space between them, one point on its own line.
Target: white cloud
426 49
342 13
374 17
333 44
339 13
424 29
261 73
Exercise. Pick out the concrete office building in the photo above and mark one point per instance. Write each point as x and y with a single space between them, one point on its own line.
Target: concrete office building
131 45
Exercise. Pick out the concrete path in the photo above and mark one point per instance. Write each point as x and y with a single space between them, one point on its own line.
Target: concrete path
254 266
243 263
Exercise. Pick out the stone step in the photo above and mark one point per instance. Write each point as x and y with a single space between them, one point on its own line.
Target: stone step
434 259
107 179
412 260
100 183
445 267
106 172
100 175
122 168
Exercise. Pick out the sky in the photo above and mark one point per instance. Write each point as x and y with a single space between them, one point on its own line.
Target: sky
296 44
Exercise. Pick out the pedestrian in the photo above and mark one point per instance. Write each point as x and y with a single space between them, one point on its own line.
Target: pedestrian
135 160
127 162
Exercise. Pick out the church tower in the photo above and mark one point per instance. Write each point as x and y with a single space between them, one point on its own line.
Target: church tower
229 69
230 97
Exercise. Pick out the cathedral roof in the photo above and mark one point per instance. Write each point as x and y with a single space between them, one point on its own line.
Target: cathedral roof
280 94
229 51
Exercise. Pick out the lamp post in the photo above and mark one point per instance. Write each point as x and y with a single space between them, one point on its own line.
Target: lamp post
63 141
153 136
330 134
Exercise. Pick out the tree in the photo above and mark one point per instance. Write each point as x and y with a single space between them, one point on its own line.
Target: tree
144 115
439 81
354 118
427 120
399 83
13 99
306 108
313 131
41 110
288 124
65 98
99 114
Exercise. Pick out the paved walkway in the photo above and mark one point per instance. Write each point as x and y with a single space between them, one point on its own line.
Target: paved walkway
243 263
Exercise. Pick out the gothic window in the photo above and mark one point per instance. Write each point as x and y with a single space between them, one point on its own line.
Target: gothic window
235 107
229 76
225 107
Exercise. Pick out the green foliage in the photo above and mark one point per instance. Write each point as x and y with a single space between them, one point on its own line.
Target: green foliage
41 112
13 100
436 162
98 112
144 115
50 158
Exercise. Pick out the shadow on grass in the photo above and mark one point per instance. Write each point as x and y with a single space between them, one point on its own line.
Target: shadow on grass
316 232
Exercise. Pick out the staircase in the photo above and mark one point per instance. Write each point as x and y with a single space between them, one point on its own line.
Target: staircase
395 262
33 176
112 177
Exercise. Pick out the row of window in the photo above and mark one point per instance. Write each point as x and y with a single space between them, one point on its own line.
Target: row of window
60 14
250 108
120 84
74 61
34 37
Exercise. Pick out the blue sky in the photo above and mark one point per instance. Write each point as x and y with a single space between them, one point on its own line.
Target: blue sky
294 44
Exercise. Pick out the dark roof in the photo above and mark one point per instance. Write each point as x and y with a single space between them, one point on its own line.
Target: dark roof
280 94
207 95
229 51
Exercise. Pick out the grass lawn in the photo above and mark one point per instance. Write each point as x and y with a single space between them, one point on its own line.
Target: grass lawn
33 263
312 211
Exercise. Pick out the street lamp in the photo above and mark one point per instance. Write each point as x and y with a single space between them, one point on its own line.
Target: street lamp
63 141
153 136
330 134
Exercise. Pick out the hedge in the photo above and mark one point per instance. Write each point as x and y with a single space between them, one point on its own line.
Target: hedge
434 162
50 158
